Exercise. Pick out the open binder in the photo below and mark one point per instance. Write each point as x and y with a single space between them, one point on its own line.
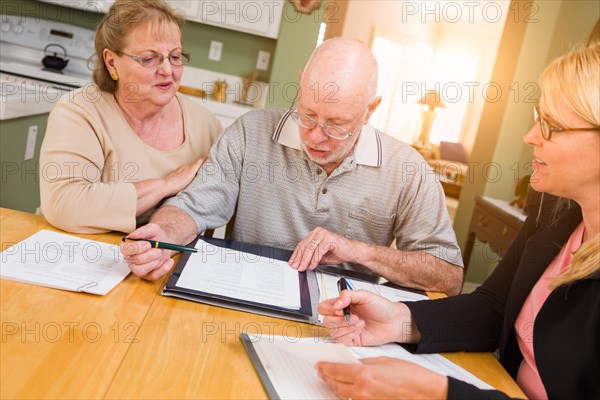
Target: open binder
309 292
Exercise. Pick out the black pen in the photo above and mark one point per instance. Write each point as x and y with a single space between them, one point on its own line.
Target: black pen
163 245
343 285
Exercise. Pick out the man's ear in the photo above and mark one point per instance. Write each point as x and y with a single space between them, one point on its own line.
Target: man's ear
300 74
372 107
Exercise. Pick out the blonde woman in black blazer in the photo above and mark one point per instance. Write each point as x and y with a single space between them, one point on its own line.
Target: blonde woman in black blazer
565 330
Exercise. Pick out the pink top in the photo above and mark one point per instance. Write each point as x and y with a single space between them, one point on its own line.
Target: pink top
528 377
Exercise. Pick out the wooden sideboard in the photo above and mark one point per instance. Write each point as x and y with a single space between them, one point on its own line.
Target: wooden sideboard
451 175
494 222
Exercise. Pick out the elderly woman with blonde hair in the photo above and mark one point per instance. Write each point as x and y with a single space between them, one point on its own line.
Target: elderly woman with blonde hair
114 150
541 305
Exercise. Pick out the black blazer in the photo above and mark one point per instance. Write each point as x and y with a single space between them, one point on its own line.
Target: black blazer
566 332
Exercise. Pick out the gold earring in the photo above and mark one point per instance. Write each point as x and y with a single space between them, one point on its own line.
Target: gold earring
114 76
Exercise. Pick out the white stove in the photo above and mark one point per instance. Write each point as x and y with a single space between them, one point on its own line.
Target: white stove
26 87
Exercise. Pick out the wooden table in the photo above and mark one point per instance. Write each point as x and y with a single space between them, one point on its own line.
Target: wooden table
134 343
494 222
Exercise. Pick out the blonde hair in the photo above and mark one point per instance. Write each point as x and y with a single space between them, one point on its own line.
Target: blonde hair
574 79
122 18
585 262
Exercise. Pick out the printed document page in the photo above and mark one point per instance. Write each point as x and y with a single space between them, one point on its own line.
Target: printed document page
64 262
433 362
289 363
231 273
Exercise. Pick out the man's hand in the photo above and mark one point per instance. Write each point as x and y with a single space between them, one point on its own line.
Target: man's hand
383 378
143 260
321 245
374 320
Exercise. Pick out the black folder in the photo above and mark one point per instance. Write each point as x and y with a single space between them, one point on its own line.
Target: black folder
309 290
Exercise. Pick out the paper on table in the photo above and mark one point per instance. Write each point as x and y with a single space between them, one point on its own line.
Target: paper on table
66 262
328 289
242 276
390 293
289 363
433 362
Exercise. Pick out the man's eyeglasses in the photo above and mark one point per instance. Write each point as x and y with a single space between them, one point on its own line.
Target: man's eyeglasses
333 131
153 60
547 129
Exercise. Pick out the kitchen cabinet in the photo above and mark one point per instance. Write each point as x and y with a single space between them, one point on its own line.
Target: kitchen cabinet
19 186
259 17
98 6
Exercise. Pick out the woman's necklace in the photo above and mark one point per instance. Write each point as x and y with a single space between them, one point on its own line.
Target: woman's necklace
156 136
162 117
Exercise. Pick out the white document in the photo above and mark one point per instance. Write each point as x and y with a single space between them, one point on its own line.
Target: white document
328 289
433 362
289 363
230 273
64 262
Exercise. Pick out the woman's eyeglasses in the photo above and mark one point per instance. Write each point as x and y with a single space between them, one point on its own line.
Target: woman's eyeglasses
547 129
153 60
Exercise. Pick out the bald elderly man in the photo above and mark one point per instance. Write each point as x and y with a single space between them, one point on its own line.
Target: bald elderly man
320 180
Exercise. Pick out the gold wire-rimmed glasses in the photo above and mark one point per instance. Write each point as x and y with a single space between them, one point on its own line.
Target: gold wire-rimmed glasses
151 59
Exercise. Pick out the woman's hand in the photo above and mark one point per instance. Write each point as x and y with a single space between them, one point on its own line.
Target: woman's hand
150 192
177 180
374 320
383 378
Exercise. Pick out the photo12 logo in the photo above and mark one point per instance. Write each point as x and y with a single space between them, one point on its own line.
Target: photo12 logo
26 90
53 253
69 331
453 12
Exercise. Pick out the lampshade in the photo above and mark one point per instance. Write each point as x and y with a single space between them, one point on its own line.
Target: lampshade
432 99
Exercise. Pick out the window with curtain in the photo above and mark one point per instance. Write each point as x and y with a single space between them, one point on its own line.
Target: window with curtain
407 68
455 73
402 69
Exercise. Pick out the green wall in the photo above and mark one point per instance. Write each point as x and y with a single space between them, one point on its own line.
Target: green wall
297 39
240 50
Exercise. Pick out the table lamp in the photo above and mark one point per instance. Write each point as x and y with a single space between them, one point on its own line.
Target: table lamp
430 102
